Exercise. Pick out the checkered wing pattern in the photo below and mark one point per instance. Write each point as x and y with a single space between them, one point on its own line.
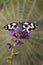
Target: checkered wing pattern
29 26
22 25
11 26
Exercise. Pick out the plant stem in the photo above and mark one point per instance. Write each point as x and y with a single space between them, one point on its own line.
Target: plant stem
12 54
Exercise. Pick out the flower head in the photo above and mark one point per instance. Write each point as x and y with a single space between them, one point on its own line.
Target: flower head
27 34
20 33
9 45
24 35
18 42
15 32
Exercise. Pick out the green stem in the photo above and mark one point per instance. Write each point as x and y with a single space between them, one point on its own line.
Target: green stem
12 54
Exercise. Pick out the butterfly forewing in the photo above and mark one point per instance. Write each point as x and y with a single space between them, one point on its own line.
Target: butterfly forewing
11 26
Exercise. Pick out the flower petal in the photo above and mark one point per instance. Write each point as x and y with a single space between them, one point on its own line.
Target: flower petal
14 32
18 42
9 45
27 35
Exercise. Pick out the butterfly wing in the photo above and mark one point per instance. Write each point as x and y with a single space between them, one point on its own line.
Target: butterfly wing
22 25
28 26
11 26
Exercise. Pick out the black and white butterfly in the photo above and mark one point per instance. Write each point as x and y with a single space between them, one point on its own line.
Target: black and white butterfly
22 25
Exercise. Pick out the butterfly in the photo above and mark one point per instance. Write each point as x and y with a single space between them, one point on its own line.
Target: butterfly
22 25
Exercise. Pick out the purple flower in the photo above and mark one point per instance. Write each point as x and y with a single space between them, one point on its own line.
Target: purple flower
21 34
14 32
26 35
9 45
18 42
